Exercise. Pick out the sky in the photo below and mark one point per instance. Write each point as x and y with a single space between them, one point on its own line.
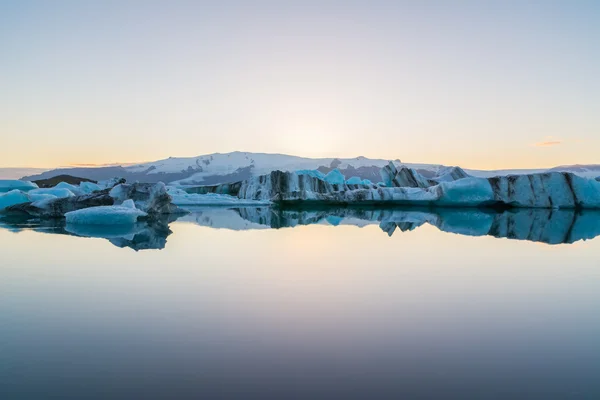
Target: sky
480 84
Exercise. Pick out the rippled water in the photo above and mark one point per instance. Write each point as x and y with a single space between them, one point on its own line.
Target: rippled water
264 303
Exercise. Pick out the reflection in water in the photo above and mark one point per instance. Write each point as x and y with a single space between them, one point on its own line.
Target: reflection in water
141 236
537 225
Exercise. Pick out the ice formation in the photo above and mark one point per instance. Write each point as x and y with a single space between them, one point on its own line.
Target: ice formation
356 181
311 172
182 198
9 185
148 197
57 192
547 190
126 213
335 177
13 197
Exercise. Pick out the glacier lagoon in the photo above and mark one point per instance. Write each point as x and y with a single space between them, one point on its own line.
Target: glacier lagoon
259 302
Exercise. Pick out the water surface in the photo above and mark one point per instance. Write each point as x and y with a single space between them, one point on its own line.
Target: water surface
262 303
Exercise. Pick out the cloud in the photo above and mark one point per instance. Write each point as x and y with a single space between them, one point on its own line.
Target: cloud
548 143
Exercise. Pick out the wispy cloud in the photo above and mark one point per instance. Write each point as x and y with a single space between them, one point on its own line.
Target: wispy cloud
548 143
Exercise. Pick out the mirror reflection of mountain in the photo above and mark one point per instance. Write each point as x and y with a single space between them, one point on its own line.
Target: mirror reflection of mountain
537 225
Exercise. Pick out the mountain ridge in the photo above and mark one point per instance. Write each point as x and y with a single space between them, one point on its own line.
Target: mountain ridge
217 168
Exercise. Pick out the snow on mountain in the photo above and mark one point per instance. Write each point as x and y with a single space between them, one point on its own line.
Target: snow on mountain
217 168
586 171
16 173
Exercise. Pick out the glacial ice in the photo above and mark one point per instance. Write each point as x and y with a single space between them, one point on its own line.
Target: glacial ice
182 198
126 213
335 177
65 185
57 192
548 190
13 197
9 185
355 180
152 198
88 187
311 172
465 192
35 198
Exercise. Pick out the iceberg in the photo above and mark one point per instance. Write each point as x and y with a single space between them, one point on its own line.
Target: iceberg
57 192
110 183
546 190
311 172
335 177
449 174
393 176
12 198
152 199
182 198
68 186
355 180
465 192
34 198
148 197
125 213
9 185
89 187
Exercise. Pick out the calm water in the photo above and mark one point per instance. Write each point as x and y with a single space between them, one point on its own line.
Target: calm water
346 303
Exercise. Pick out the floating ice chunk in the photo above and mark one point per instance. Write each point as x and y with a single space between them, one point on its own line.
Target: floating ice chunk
55 191
109 183
65 185
311 172
34 198
355 180
182 198
8 185
88 187
41 201
465 192
587 192
13 197
126 213
335 177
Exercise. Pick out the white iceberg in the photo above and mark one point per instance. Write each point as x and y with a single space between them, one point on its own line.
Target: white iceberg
9 185
57 192
13 197
182 198
41 197
88 187
548 190
126 213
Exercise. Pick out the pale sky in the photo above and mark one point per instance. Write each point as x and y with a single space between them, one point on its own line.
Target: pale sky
481 84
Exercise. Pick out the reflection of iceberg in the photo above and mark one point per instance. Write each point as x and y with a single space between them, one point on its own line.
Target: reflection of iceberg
139 236
538 225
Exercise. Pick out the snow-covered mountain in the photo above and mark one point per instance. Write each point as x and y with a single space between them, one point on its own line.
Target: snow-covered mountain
212 169
16 173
